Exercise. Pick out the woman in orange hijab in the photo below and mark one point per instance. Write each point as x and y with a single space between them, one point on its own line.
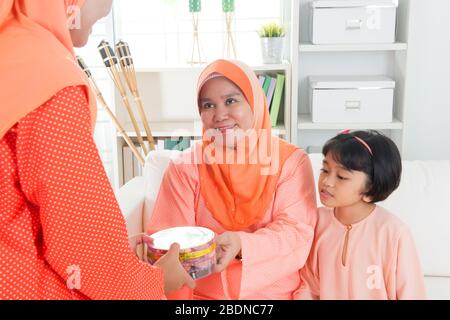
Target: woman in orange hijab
253 189
62 235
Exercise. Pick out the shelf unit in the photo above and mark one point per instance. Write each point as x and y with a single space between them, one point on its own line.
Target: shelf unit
309 47
343 59
305 123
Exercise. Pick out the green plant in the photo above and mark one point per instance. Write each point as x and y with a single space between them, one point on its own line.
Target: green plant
271 30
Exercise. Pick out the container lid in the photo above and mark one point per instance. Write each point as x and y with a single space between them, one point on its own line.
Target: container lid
351 82
354 3
186 237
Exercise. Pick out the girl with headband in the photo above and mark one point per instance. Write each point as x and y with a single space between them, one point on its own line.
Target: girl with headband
62 235
254 190
360 250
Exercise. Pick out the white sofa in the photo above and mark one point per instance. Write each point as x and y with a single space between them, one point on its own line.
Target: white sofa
420 201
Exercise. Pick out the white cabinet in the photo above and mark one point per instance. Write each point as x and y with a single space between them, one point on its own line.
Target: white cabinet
352 99
353 21
355 60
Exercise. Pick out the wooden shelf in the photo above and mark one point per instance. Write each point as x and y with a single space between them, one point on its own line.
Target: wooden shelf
181 129
305 123
309 47
272 67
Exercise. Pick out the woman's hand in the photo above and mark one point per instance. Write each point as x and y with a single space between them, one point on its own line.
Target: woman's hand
175 276
228 247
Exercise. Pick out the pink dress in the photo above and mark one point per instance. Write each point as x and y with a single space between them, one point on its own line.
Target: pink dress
272 251
380 260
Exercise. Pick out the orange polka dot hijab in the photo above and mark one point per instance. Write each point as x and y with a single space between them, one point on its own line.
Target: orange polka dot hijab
239 194
36 57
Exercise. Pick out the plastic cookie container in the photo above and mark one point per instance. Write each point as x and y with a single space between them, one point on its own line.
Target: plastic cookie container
197 248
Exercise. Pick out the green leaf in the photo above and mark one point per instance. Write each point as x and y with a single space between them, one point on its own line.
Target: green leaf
271 30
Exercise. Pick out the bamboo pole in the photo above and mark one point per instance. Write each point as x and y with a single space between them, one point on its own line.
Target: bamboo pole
100 98
196 41
230 43
110 61
128 70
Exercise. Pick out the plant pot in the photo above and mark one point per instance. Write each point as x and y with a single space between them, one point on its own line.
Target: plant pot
272 49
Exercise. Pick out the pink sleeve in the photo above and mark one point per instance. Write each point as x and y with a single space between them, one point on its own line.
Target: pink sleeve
175 206
410 283
282 247
310 285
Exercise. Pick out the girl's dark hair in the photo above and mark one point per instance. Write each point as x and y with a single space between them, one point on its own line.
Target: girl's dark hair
383 168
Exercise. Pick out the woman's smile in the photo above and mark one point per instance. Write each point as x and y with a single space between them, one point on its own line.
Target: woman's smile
224 129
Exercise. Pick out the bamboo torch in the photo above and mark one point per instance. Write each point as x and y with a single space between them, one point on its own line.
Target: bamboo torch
195 7
110 61
127 66
228 9
100 98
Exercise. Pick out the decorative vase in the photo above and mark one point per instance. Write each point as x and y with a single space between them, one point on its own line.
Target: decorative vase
272 49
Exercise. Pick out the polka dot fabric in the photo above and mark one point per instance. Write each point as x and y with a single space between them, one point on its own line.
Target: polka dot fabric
62 235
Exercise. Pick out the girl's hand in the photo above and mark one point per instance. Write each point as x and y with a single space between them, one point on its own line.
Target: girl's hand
228 247
175 276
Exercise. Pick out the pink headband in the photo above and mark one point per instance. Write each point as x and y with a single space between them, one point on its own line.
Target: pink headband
347 131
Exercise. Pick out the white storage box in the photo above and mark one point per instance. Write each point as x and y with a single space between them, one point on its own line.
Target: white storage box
353 21
350 99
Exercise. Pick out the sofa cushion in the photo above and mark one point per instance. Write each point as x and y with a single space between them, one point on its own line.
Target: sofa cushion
438 288
131 202
421 202
155 166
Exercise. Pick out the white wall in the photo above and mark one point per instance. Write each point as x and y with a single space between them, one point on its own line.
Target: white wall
427 91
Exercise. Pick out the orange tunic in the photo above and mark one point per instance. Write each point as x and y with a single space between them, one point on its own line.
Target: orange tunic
272 251
60 223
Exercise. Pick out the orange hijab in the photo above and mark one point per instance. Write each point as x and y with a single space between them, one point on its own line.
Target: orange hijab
36 56
238 195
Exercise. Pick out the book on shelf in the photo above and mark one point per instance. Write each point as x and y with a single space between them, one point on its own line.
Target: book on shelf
273 82
181 143
127 172
276 102
137 167
261 78
159 144
266 84
131 166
